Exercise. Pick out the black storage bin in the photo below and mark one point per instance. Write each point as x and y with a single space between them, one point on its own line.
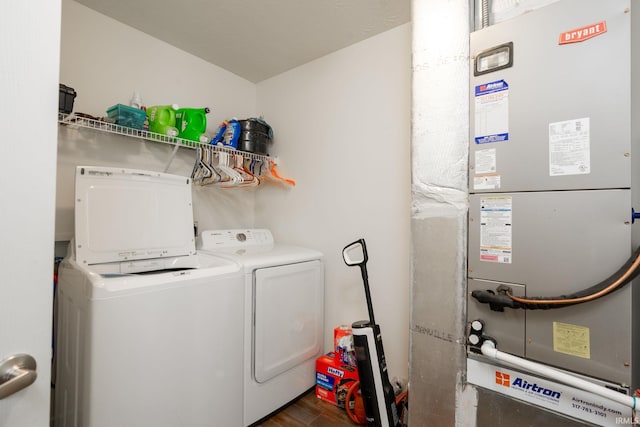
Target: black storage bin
66 98
256 125
256 136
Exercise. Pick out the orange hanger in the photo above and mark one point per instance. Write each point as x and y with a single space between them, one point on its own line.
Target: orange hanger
277 176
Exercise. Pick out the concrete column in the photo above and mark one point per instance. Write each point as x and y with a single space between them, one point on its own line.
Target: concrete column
439 210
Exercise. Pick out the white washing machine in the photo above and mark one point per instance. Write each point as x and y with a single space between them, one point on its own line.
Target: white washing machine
148 332
284 315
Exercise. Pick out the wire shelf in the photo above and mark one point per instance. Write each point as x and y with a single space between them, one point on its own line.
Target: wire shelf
76 121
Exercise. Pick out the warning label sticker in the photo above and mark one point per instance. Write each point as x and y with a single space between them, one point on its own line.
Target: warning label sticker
485 161
495 229
489 181
492 112
569 150
571 339
486 177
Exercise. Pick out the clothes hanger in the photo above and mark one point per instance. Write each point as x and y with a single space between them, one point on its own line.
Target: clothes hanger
249 179
274 174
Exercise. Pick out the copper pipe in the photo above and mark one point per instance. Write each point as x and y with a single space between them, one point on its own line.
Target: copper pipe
591 297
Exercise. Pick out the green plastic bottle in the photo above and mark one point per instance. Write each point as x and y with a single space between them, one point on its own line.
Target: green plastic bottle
162 119
192 124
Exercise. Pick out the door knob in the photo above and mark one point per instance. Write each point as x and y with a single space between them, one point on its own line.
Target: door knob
16 372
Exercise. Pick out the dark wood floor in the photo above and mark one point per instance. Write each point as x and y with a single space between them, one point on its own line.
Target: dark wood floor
309 411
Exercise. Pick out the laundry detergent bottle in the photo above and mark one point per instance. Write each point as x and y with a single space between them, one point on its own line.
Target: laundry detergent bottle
232 133
162 119
192 124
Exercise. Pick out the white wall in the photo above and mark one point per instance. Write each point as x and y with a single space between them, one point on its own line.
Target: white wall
105 62
342 131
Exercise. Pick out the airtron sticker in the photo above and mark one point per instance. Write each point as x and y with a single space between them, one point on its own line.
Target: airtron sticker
546 393
584 33
503 379
522 385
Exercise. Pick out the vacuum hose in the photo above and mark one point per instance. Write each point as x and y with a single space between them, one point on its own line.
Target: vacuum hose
504 298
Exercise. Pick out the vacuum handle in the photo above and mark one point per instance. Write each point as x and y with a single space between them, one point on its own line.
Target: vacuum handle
355 254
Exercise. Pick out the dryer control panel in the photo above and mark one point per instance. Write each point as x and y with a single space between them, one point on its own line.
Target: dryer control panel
235 238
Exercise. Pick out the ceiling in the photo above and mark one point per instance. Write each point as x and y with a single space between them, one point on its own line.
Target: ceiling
258 39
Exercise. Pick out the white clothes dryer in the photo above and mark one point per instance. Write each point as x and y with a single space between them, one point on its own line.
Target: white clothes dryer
148 331
284 315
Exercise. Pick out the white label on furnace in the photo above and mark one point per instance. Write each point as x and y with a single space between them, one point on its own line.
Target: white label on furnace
495 229
491 112
569 151
489 181
485 161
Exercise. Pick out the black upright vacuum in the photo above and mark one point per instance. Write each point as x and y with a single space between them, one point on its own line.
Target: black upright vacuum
378 396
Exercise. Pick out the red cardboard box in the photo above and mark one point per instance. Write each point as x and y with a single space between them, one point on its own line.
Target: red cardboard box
333 379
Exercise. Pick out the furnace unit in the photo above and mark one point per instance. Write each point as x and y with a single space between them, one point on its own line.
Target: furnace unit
554 174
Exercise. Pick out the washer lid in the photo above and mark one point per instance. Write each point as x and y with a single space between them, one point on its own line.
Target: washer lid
128 214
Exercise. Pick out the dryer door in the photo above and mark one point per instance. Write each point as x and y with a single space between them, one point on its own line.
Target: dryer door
288 317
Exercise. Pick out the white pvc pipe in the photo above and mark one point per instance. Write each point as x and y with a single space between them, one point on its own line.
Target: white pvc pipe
489 349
